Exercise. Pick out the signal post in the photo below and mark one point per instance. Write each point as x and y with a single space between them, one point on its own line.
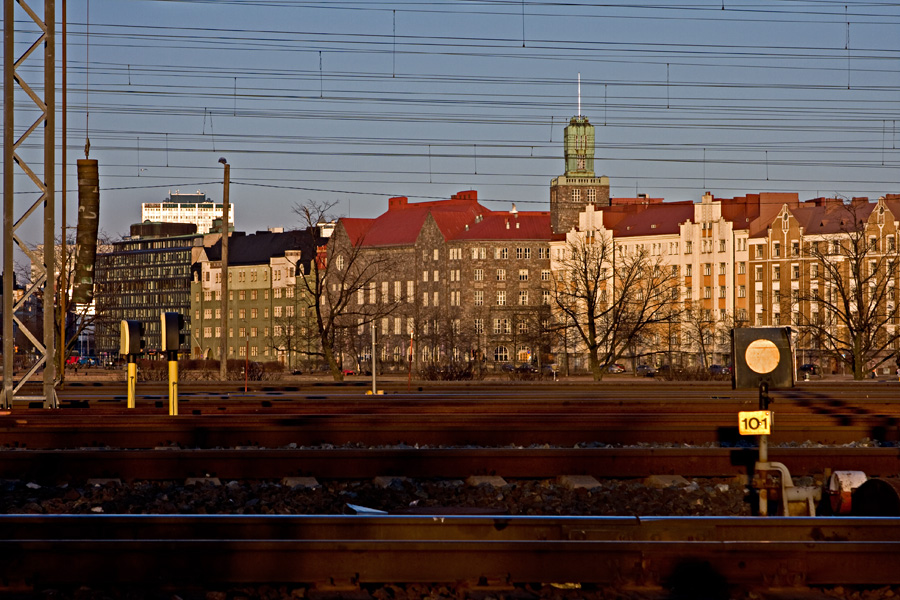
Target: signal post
131 344
172 324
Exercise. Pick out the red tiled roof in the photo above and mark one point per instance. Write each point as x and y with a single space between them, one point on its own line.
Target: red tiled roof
460 217
526 225
356 228
830 215
647 219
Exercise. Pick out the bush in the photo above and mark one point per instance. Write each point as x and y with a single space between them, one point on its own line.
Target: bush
455 371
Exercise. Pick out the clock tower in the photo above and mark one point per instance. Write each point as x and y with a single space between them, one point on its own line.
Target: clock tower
579 186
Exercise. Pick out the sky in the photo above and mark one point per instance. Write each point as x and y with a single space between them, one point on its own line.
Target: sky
352 102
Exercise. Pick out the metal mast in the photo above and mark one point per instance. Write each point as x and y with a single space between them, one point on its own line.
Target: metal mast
44 207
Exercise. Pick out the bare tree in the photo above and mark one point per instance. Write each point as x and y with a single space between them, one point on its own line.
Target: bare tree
336 281
609 296
701 331
853 286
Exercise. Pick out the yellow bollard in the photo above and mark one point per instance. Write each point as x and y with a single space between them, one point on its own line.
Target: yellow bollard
132 378
173 388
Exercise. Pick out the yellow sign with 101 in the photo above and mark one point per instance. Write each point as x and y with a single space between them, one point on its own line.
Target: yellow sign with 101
755 422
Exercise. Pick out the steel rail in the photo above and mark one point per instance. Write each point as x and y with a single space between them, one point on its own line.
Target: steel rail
180 550
218 428
51 466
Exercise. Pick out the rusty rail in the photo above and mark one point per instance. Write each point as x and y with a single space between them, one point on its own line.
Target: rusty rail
177 550
51 466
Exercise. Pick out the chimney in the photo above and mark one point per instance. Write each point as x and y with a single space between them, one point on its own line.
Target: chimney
397 202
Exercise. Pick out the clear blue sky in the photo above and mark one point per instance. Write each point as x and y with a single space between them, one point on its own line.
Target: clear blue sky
354 102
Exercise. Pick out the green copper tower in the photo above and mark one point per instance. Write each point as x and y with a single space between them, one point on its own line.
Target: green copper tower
579 147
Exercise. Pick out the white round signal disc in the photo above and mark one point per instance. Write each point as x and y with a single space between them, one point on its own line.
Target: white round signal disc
762 356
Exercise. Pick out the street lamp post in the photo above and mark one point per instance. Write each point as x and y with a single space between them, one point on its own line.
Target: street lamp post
223 359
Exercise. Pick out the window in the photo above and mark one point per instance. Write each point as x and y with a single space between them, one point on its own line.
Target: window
545 275
776 249
479 326
501 354
742 291
741 268
795 248
707 268
254 331
721 291
425 276
242 295
722 269
759 251
721 245
523 297
576 195
479 275
523 274
340 263
424 298
436 294
276 293
759 272
707 292
545 297
543 253
410 290
242 314
688 247
501 298
795 271
776 272
207 332
436 254
689 270
591 195
501 274
479 298
522 328
254 313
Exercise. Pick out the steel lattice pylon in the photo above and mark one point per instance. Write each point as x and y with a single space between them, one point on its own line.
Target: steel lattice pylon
44 283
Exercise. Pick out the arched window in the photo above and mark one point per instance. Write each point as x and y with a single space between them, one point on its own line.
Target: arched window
501 354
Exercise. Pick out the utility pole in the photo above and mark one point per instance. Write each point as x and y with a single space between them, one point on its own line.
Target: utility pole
223 348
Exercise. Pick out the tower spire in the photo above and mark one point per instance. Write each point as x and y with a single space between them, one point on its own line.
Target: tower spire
579 94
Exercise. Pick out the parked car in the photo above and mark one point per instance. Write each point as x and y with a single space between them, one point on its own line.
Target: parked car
720 369
616 368
348 372
72 361
809 369
646 370
88 361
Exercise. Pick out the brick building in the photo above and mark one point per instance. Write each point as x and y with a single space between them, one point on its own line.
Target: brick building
465 281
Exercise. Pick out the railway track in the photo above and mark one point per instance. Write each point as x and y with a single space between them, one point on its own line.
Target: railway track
39 551
51 466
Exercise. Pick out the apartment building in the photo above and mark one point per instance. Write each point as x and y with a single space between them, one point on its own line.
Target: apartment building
268 315
187 208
